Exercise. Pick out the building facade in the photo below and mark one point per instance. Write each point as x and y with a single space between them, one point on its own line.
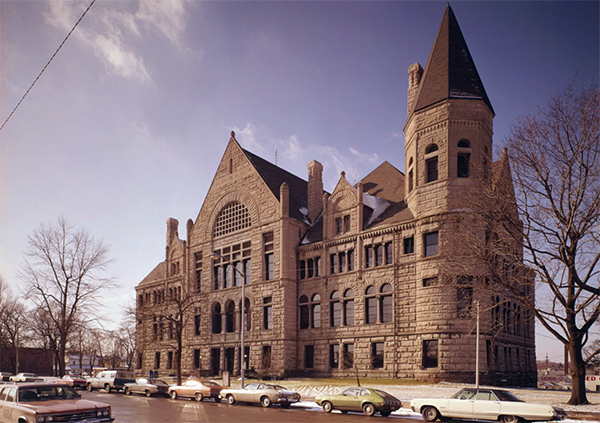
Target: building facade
370 278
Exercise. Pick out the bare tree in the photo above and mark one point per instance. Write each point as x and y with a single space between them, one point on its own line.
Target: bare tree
63 272
547 228
13 322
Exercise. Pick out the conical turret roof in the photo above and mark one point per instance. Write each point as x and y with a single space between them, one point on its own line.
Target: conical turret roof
450 70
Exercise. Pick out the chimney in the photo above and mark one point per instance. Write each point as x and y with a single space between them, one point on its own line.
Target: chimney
172 226
415 72
315 190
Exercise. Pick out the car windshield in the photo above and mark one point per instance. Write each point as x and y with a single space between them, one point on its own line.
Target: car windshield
44 393
464 394
507 396
277 387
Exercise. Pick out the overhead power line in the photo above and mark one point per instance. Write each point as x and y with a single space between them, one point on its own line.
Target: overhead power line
42 71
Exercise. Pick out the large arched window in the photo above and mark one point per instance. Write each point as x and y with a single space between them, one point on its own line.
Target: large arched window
335 309
216 318
385 302
349 307
315 308
304 312
431 163
230 317
233 217
371 305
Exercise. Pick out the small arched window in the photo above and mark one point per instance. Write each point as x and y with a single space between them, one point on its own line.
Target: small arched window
431 148
230 317
335 309
385 302
216 318
464 143
371 305
315 308
304 312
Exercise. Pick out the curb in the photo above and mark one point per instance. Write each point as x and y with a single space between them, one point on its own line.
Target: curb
583 415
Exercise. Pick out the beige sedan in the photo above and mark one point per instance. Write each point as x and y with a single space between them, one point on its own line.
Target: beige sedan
264 394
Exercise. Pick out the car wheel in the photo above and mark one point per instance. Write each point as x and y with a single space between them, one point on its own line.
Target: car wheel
509 419
430 414
327 407
265 401
230 399
127 391
369 409
217 399
107 388
148 393
199 396
285 404
385 413
173 395
89 387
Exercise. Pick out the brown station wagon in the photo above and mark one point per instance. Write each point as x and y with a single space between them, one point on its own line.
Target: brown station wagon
40 402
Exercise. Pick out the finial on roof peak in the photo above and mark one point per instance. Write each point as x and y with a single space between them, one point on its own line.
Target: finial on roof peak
233 134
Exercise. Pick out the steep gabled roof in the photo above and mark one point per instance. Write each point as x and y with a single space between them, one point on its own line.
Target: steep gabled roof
157 274
450 71
274 176
385 181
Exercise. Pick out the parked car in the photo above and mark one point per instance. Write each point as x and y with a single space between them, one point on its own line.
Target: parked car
5 376
484 404
25 377
261 393
367 400
71 380
49 402
110 380
197 389
148 387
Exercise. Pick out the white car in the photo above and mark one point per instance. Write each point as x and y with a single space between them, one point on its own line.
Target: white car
264 394
484 404
25 377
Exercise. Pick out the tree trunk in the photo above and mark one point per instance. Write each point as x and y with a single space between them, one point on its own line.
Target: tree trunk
578 395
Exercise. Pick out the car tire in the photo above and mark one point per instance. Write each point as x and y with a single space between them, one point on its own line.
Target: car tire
430 414
265 401
107 388
285 404
509 419
89 387
148 393
230 399
217 399
327 406
369 409
198 396
127 391
173 395
385 413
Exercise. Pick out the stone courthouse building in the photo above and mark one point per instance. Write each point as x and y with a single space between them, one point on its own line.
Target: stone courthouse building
358 279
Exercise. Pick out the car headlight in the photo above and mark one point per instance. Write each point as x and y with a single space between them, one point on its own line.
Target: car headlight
44 419
103 413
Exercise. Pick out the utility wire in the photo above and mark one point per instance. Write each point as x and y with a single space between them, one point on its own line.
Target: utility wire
42 71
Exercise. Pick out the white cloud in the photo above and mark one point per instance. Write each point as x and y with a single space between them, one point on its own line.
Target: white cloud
112 32
246 138
292 149
365 157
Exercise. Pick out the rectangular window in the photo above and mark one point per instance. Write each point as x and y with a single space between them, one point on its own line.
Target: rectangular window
350 255
304 316
139 360
386 309
342 261
369 256
431 241
410 180
197 324
462 170
378 255
267 313
247 271
432 169
302 269
170 360
338 225
430 353
347 223
334 356
310 267
409 245
266 357
269 256
348 352
389 253
157 360
335 313
198 260
196 359
309 356
333 261
377 354
371 309
430 281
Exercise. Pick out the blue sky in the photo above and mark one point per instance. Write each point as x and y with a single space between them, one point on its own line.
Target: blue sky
128 123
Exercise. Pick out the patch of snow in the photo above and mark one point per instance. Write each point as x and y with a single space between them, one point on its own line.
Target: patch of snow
379 205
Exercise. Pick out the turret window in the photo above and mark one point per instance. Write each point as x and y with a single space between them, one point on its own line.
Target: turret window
432 169
463 158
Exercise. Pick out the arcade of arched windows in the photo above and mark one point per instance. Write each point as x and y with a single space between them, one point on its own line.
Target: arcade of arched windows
159 296
227 318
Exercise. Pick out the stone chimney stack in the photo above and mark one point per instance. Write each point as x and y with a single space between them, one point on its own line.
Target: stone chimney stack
315 189
415 72
172 229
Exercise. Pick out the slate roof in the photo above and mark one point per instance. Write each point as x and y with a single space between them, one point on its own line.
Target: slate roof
157 274
450 72
274 176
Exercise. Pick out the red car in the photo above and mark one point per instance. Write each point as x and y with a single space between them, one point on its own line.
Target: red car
74 381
